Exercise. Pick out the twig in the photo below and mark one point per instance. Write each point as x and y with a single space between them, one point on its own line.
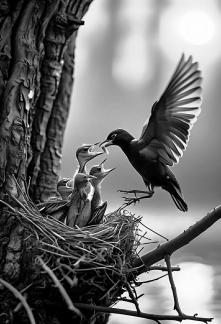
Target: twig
19 296
151 230
161 268
133 298
63 292
138 283
173 287
179 241
154 317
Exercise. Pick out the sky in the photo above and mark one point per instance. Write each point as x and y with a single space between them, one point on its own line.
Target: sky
126 53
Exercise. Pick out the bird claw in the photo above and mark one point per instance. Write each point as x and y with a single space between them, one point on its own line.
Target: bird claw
130 201
148 194
127 192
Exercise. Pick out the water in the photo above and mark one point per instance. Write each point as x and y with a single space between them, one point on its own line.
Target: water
199 290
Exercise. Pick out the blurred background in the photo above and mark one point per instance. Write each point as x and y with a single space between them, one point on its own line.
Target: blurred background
126 53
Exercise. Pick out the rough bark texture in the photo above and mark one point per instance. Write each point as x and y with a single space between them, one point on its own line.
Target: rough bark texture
51 156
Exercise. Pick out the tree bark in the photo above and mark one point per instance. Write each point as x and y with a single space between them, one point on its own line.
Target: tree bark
50 162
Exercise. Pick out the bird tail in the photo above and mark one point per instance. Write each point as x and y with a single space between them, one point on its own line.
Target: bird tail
179 202
173 188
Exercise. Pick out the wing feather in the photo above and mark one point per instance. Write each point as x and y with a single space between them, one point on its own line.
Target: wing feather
168 129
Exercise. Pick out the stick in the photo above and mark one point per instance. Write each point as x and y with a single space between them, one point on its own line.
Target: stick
63 292
173 287
19 296
154 317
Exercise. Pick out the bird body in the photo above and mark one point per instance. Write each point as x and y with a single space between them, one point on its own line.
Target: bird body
165 135
79 211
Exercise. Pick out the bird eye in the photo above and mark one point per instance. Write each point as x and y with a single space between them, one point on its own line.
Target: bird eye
113 136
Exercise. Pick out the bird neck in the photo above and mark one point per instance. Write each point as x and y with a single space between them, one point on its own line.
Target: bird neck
124 142
125 146
96 201
82 167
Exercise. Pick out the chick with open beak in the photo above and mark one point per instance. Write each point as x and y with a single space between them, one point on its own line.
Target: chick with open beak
84 154
98 207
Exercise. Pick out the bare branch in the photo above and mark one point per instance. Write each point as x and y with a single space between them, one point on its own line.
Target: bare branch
173 287
178 242
154 317
161 268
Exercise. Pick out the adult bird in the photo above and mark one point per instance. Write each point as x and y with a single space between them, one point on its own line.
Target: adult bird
84 154
165 136
98 207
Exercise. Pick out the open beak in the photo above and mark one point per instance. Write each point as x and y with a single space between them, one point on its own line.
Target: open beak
107 171
106 143
94 154
102 163
91 177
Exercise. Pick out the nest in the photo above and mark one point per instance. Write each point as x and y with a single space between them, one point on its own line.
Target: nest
91 265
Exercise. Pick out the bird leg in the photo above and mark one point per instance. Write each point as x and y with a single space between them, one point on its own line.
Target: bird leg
135 192
129 201
136 199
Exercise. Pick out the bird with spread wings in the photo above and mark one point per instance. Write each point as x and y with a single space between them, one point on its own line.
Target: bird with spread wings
165 135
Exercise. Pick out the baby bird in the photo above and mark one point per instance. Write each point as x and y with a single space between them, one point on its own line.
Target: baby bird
76 210
63 189
84 154
79 210
165 135
98 207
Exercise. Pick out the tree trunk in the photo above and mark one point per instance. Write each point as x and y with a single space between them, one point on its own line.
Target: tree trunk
37 48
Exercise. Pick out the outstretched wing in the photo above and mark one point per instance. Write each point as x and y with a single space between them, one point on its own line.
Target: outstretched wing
172 117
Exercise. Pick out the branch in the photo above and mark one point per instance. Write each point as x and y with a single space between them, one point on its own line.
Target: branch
154 317
178 242
19 296
173 287
161 268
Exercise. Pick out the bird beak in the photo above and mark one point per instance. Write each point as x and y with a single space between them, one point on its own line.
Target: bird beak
94 154
102 162
107 171
91 177
106 143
